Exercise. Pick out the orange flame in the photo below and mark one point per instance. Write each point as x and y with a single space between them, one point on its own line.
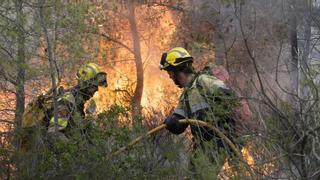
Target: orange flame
158 88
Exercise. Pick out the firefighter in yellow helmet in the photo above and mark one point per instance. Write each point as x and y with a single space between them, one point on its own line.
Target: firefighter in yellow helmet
70 104
204 97
89 77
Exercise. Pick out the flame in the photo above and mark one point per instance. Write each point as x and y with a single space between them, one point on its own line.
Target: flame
159 92
227 172
103 50
247 156
247 153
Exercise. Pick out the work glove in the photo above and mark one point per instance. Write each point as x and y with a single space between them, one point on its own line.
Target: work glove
173 125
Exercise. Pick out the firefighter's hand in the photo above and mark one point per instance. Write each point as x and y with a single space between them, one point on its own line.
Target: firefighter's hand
173 125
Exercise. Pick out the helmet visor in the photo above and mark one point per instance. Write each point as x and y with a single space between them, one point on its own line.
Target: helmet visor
163 63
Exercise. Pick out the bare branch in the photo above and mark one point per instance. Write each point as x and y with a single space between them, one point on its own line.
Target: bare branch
6 76
169 6
7 52
109 38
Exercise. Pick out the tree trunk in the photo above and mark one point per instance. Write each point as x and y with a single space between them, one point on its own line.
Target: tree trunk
294 69
219 51
303 91
296 74
52 63
20 79
136 101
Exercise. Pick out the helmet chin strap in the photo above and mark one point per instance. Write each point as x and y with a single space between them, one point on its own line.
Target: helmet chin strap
176 80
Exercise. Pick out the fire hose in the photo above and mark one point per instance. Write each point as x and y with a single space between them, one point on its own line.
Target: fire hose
194 122
190 121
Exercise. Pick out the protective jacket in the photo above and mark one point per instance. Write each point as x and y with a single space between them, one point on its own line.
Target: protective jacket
39 115
205 98
70 104
70 110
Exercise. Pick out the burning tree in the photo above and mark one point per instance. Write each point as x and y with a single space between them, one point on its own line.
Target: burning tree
129 36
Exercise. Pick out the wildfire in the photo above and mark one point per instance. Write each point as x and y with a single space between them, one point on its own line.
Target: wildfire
247 156
227 171
158 91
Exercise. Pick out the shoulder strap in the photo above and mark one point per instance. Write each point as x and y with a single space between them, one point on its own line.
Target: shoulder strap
200 88
186 98
187 103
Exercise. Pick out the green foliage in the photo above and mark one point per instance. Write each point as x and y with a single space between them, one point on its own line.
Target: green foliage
72 29
89 155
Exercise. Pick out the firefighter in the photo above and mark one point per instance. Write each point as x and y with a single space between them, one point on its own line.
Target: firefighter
70 105
204 97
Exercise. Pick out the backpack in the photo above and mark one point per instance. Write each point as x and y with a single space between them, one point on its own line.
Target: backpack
36 111
242 114
217 71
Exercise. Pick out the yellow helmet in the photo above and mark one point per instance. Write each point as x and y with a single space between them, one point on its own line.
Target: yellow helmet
88 72
92 73
175 57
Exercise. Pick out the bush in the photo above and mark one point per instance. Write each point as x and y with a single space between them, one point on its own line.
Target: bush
89 155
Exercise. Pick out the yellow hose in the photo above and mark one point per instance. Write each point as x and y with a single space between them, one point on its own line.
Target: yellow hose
190 121
194 122
135 141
